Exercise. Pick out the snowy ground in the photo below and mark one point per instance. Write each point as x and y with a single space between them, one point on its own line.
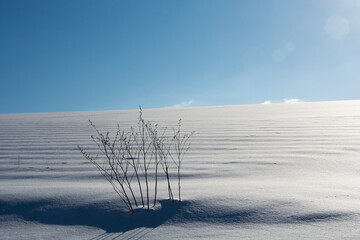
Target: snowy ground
278 171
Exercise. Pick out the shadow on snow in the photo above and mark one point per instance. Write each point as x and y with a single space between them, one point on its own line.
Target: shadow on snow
117 220
96 215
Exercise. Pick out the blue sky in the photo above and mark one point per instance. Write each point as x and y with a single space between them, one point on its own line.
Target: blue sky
65 55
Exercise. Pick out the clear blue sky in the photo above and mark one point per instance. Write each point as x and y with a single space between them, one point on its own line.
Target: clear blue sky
79 55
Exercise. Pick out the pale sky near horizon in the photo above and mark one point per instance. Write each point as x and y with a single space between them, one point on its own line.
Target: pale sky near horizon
65 55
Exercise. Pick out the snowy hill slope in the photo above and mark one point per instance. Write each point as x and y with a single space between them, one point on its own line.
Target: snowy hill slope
288 171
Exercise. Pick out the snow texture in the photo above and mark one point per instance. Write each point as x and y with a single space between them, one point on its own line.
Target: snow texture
278 171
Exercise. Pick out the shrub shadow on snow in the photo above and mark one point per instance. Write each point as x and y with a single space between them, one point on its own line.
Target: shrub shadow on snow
117 220
110 220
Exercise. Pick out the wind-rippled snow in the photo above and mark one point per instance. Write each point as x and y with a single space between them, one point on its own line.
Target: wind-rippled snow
289 171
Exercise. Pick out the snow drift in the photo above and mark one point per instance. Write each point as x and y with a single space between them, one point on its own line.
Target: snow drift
260 171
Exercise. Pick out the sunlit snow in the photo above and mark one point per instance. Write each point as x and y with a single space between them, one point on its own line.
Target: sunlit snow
266 171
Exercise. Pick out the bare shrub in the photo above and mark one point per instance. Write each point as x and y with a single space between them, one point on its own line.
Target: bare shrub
181 145
126 160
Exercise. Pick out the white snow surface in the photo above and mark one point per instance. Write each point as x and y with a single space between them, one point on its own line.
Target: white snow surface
277 171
